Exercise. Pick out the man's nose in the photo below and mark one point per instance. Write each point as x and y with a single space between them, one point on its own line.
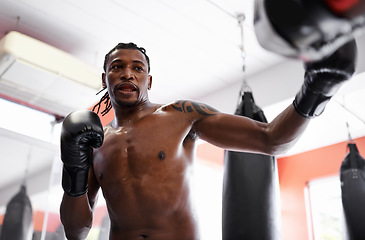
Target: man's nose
126 74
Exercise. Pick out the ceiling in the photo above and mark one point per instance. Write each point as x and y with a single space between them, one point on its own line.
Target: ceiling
195 47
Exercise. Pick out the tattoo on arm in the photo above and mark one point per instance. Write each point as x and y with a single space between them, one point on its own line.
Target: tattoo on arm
189 106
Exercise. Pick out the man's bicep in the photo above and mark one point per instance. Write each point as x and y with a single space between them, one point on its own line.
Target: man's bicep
232 132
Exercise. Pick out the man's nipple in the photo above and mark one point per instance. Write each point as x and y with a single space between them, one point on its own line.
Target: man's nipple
161 155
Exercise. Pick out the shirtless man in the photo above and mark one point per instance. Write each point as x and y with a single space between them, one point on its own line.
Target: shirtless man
143 157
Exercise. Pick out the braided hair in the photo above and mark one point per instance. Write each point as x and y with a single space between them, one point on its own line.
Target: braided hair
105 98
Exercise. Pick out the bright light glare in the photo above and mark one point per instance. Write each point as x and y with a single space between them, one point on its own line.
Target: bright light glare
208 184
26 121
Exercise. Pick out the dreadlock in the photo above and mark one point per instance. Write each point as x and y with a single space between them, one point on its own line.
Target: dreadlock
106 98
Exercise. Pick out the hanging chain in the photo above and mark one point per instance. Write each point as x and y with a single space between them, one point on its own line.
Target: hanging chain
245 87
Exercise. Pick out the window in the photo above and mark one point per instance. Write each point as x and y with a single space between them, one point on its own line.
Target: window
325 208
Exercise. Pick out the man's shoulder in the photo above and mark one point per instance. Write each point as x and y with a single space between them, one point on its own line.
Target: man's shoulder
189 106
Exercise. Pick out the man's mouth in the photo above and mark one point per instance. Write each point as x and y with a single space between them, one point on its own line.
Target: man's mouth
126 87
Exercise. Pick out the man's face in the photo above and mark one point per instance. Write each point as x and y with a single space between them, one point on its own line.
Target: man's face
127 78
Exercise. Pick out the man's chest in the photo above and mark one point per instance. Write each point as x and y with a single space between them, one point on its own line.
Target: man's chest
143 150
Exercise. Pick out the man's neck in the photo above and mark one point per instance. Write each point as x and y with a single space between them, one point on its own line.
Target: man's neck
124 115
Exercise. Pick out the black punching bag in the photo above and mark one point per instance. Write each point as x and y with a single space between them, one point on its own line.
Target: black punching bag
352 176
18 219
251 207
59 234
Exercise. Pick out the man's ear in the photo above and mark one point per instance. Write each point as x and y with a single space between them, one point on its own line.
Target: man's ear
103 80
149 82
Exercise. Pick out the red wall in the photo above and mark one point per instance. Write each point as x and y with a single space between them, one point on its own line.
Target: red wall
294 174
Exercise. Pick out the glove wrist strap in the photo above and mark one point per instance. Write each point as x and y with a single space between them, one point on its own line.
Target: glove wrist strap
75 180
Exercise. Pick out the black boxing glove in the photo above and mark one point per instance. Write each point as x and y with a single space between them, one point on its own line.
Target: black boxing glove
81 132
323 78
304 29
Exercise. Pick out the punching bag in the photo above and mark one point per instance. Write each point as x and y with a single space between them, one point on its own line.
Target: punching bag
352 176
18 219
59 234
251 207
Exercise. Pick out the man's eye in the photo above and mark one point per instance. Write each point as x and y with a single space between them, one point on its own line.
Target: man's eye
139 69
116 67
